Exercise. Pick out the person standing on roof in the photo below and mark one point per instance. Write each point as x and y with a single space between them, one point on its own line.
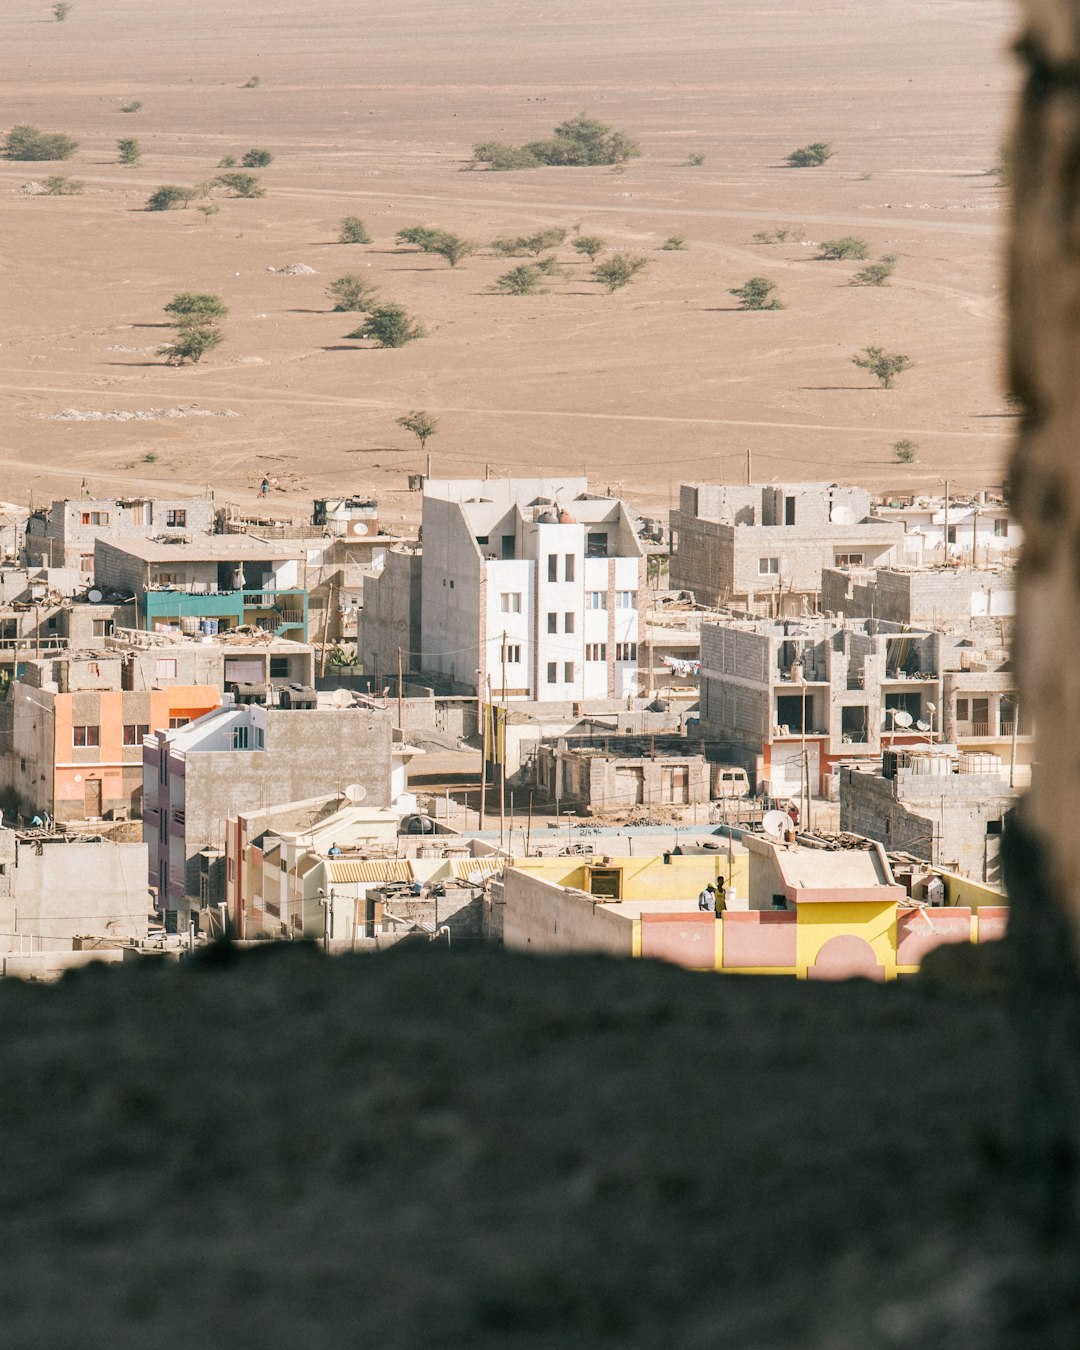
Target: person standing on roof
705 899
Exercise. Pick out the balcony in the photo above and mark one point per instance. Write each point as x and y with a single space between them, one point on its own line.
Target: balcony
970 731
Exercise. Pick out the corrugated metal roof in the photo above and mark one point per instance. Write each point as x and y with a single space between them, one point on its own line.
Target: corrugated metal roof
370 870
465 869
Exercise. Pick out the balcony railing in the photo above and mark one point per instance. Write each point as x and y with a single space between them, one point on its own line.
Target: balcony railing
1004 729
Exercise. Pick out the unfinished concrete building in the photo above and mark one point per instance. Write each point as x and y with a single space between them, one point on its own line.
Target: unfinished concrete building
949 598
761 548
933 803
391 620
65 534
592 780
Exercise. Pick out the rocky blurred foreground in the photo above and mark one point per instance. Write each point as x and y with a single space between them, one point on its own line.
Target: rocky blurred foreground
488 1150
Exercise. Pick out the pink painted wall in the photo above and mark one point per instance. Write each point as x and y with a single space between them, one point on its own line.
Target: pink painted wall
758 938
920 931
687 939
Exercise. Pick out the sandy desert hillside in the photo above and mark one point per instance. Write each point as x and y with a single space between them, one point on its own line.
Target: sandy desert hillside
372 110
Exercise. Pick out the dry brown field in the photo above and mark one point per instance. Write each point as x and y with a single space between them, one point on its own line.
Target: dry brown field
371 108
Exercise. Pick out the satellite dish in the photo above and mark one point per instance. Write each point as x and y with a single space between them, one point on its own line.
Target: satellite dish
902 719
775 823
342 698
355 792
94 596
841 515
922 726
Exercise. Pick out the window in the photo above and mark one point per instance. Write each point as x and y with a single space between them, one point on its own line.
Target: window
849 559
260 739
509 551
134 732
568 567
240 738
568 621
167 578
85 735
626 651
626 599
553 566
95 518
789 510
86 563
482 539
552 672
596 599
175 722
179 815
596 651
962 710
279 668
855 725
177 520
513 654
139 513
596 544
103 627
952 534
451 583
510 602
165 669
568 672
1001 528
768 567
552 623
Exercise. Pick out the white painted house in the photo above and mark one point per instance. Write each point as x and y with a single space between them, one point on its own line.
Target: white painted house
534 578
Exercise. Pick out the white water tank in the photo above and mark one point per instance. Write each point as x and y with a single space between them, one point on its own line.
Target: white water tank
980 763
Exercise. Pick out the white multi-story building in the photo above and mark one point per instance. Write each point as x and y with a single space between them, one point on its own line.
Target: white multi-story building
531 585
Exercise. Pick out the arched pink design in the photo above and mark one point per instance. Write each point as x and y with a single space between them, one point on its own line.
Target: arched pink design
842 958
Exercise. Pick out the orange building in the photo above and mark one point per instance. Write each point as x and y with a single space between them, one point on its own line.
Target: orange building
79 754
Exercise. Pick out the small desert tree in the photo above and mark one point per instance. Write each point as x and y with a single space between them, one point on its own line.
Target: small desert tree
240 184
696 159
256 159
252 82
422 237
191 344
875 274
618 270
195 315
675 244
389 326
757 293
131 107
28 143
352 230
169 197
195 307
523 280
591 245
129 150
352 292
543 239
58 185
61 10
904 451
420 423
837 250
208 209
451 247
883 365
810 156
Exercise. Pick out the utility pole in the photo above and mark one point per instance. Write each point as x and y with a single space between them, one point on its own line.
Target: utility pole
400 696
484 748
500 748
749 466
1012 745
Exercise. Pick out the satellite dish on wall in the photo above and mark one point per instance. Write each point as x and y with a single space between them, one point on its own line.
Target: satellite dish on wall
94 596
922 726
902 719
355 792
342 698
841 515
774 823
